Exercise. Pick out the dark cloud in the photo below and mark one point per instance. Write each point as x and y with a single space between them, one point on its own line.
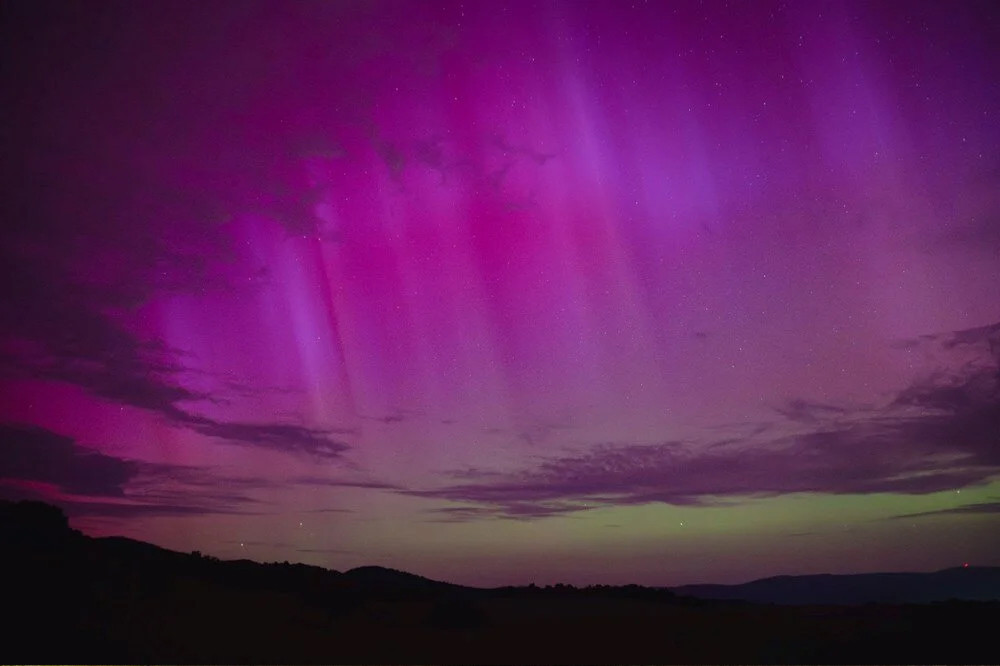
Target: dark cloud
507 149
982 508
509 510
538 432
38 455
398 416
988 336
343 483
387 419
139 510
939 434
113 487
54 326
172 485
124 507
811 412
279 436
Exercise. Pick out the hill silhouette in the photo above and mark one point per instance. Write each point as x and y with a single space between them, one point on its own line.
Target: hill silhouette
391 578
77 599
959 583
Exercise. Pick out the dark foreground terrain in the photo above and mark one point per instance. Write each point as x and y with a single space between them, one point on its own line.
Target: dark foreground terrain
71 598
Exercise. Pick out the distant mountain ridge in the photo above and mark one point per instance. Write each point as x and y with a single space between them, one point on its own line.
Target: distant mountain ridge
42 525
958 583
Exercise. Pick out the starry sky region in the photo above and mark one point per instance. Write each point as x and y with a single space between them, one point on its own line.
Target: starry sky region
508 292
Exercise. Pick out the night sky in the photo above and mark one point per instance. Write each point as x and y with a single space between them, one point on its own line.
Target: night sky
495 293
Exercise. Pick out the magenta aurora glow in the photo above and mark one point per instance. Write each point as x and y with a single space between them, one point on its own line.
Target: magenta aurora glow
584 292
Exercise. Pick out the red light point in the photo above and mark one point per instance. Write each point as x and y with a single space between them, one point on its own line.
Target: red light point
966 565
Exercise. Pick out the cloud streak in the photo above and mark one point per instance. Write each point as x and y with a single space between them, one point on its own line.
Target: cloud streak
938 434
278 436
37 463
343 483
39 455
969 509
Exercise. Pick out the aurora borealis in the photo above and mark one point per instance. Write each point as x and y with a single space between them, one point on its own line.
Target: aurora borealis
584 292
